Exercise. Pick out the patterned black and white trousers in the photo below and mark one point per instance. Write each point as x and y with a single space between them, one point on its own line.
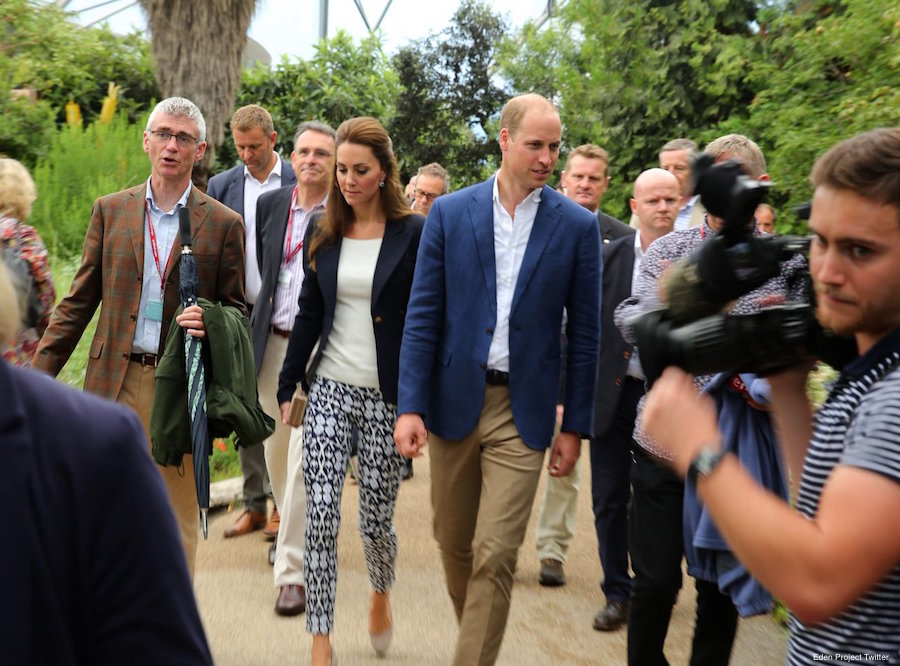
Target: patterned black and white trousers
333 410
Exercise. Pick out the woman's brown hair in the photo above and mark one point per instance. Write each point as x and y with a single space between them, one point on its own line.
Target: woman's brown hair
338 216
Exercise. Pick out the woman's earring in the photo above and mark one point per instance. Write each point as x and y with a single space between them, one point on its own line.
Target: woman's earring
381 183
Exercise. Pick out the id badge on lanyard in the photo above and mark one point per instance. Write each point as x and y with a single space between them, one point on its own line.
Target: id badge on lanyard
154 309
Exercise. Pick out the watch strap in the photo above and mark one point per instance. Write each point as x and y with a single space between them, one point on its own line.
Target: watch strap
704 462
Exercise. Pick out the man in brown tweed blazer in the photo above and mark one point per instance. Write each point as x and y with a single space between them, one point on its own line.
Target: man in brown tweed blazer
130 264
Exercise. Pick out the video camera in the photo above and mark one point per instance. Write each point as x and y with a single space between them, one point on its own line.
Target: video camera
693 333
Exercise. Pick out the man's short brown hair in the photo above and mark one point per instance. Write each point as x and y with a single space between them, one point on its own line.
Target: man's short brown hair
515 109
868 165
590 151
250 116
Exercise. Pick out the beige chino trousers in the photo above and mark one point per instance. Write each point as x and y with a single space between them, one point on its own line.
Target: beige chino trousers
482 489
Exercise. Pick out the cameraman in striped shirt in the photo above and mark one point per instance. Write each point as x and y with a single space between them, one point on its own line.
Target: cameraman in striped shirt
835 559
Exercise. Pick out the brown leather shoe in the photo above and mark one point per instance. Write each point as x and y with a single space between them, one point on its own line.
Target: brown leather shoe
552 574
291 600
247 522
271 529
612 617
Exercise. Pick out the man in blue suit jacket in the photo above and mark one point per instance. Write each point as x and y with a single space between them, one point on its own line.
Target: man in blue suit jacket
480 361
262 170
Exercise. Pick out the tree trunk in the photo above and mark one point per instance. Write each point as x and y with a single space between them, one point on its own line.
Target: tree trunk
198 46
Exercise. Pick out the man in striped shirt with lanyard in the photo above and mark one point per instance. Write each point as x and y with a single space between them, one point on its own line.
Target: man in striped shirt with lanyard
283 217
835 561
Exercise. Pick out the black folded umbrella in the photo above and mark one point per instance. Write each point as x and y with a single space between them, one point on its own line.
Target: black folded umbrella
196 373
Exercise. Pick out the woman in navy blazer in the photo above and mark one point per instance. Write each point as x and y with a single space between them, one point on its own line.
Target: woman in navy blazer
361 254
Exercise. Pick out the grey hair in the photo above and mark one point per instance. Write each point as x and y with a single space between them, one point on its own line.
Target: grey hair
180 107
314 126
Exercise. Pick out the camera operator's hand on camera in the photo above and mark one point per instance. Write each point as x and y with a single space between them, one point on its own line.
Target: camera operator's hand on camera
679 419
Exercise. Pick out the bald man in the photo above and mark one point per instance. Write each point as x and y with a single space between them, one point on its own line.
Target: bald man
620 384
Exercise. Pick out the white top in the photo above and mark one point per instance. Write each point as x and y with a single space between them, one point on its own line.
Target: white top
290 273
349 356
252 189
147 332
510 241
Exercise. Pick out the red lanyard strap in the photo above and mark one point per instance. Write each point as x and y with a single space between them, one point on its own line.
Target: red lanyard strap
155 249
291 253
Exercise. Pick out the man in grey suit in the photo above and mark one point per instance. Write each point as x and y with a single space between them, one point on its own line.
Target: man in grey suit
283 217
585 180
238 188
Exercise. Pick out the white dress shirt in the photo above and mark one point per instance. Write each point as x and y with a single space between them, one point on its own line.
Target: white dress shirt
252 189
510 240
634 362
165 227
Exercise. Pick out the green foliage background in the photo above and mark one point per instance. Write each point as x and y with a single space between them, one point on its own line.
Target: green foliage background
795 76
45 51
342 80
83 164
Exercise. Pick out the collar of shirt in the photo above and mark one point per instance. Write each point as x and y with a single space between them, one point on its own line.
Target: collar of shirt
156 211
683 219
295 204
533 198
859 366
275 172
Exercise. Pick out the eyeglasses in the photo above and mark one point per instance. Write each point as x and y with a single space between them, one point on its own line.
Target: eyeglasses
184 140
427 195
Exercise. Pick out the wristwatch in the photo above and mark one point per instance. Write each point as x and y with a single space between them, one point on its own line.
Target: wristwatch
703 463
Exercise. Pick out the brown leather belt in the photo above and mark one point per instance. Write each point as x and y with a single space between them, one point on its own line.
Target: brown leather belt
280 332
147 360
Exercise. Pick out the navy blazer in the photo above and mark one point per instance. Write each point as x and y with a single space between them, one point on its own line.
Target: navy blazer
611 228
453 311
94 570
228 186
318 296
618 264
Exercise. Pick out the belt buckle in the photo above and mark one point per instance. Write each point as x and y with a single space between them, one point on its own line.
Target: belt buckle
148 360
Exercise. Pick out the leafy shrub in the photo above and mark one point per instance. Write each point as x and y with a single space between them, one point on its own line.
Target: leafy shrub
342 80
84 164
26 129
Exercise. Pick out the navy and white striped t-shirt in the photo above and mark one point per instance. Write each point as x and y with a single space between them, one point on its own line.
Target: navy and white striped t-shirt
859 425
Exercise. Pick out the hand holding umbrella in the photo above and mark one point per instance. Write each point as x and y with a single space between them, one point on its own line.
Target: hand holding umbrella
196 374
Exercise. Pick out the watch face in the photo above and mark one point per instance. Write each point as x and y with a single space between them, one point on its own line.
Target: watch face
704 463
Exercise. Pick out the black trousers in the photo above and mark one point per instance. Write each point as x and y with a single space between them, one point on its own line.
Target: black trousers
610 490
656 541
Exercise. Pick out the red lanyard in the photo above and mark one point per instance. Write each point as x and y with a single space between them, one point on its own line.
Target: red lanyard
155 249
292 253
